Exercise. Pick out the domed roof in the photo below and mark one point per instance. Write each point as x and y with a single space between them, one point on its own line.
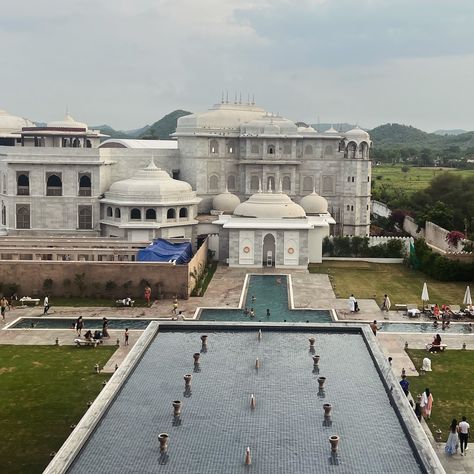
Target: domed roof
269 125
222 118
332 130
68 122
307 130
151 184
12 124
270 206
225 202
314 204
357 134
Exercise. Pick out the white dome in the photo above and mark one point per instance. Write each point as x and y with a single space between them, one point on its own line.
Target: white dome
222 118
357 134
307 130
68 122
12 124
225 202
314 204
332 131
269 125
151 184
270 206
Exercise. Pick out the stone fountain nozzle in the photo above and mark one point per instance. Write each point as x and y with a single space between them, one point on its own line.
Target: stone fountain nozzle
253 402
316 360
177 407
311 340
248 459
204 339
163 439
257 363
196 357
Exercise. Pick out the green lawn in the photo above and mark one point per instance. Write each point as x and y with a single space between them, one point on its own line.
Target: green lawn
413 180
373 280
43 390
452 384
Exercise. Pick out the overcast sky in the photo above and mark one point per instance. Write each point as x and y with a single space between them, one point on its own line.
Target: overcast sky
129 62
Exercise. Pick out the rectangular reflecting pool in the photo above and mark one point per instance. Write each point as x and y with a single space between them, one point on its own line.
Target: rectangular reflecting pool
266 294
89 323
456 328
286 431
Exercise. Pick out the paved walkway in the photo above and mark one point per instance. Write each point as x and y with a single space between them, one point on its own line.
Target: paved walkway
309 290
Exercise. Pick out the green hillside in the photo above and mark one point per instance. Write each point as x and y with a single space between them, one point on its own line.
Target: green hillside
165 126
108 130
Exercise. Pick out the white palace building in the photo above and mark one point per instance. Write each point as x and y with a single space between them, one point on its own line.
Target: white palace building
266 189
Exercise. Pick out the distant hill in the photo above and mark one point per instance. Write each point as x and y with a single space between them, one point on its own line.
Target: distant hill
164 127
108 130
137 132
455 131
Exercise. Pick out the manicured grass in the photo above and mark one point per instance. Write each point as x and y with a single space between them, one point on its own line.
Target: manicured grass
452 384
413 180
43 390
373 280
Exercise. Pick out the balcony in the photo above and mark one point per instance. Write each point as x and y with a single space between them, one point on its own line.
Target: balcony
85 192
54 191
23 190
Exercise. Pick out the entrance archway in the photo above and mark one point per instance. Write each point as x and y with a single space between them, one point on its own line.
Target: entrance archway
269 251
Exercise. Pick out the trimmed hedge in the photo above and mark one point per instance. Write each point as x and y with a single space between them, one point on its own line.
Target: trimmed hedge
359 247
439 267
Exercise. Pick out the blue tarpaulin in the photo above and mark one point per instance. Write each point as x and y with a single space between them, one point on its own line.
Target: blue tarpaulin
163 251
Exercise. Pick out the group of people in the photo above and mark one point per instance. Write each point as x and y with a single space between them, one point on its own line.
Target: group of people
458 437
97 335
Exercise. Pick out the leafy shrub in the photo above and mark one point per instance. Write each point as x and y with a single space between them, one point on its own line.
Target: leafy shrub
47 284
110 285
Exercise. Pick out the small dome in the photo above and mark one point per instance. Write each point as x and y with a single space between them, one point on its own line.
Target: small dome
225 202
314 204
151 184
269 125
332 131
12 124
270 206
307 130
357 134
68 122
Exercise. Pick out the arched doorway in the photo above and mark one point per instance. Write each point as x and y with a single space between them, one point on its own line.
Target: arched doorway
269 251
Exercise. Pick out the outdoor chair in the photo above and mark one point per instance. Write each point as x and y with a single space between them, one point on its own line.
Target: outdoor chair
413 311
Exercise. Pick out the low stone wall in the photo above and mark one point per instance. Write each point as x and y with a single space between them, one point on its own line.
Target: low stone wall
380 209
197 265
125 277
363 259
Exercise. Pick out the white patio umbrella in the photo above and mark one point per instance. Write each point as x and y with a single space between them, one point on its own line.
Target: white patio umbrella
424 295
467 297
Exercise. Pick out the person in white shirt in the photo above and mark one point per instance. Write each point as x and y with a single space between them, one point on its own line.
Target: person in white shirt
46 304
463 428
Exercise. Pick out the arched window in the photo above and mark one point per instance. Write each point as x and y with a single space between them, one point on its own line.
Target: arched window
76 143
171 214
84 185
231 182
254 148
109 212
64 143
117 213
286 183
88 144
230 148
308 150
213 183
351 150
328 150
85 217
254 183
54 185
150 214
4 214
135 214
22 217
271 149
287 149
348 208
23 184
183 212
364 150
214 146
270 183
308 183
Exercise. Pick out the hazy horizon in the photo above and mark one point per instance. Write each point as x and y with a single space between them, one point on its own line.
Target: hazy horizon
128 64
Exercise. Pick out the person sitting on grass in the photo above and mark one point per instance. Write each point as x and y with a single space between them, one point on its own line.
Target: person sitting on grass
88 335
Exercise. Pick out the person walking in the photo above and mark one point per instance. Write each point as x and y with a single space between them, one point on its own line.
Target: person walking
105 327
374 327
79 325
46 304
426 403
352 304
147 295
463 430
126 337
453 440
3 306
386 303
405 384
